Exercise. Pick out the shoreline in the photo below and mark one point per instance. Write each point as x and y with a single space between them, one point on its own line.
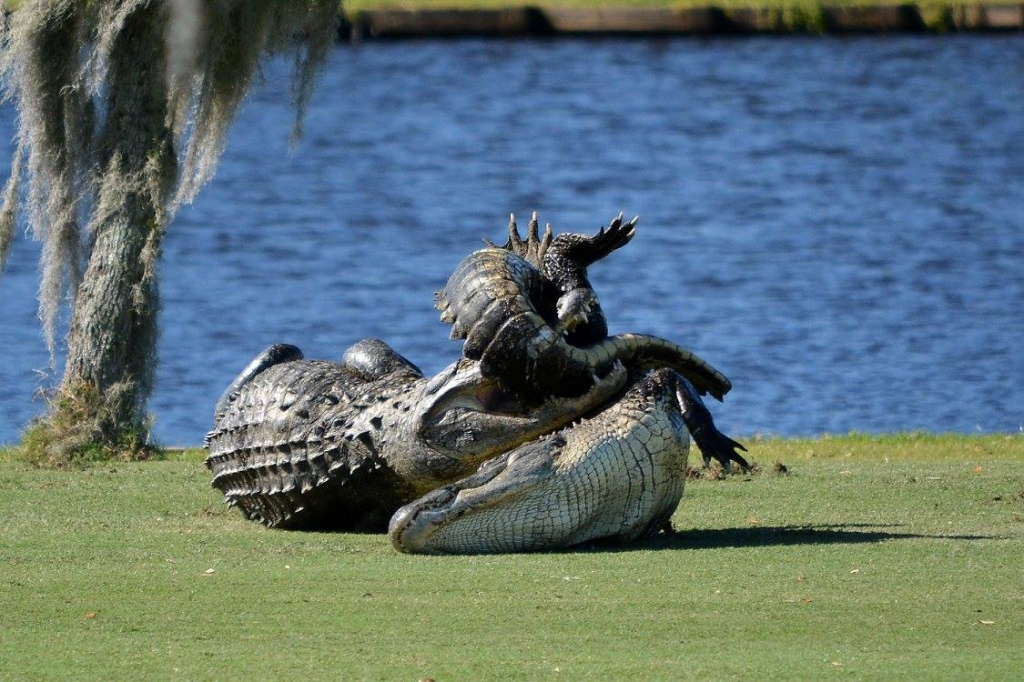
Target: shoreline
532 21
911 445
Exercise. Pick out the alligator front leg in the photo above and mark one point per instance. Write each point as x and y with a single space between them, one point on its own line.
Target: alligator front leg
712 442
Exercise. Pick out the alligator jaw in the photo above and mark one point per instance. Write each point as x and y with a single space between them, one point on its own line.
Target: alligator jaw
498 481
476 409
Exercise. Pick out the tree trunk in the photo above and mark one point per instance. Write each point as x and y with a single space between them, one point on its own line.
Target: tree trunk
112 337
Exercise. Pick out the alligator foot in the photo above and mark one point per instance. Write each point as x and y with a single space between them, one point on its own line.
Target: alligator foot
712 442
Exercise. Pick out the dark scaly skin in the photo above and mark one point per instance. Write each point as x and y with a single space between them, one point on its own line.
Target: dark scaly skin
528 313
552 282
563 261
318 445
313 444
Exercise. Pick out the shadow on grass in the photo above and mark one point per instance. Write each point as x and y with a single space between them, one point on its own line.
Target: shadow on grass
763 536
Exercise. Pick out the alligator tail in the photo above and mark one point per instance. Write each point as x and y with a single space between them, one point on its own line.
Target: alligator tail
546 364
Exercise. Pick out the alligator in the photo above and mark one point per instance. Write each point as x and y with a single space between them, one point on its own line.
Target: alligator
528 313
313 444
320 445
616 476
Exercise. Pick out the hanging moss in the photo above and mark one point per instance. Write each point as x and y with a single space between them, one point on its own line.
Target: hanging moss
124 109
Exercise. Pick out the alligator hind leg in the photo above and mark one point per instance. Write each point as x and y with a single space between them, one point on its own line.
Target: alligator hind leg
274 355
712 442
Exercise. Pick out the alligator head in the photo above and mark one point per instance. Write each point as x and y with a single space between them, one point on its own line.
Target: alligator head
462 417
315 444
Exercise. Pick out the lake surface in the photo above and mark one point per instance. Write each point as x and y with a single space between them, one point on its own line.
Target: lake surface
837 224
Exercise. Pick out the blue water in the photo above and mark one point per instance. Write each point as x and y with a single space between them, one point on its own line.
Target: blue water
837 224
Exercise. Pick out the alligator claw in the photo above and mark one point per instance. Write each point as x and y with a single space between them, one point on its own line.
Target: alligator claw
714 444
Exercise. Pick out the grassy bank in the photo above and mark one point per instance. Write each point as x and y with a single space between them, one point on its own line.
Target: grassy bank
356 6
872 557
781 15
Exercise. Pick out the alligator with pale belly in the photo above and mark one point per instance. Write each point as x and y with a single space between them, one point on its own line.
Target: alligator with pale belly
546 434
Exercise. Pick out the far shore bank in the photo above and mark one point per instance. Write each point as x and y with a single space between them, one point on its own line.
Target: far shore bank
366 21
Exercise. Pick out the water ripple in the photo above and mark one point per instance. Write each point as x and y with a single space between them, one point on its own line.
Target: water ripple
837 224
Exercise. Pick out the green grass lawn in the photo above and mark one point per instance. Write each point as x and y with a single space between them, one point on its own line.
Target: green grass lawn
891 557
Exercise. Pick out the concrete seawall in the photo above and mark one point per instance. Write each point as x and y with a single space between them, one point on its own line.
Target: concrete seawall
705 21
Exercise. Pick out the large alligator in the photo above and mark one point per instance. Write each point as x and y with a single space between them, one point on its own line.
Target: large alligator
617 475
314 444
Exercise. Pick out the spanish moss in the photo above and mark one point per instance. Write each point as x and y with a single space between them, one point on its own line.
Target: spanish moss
124 109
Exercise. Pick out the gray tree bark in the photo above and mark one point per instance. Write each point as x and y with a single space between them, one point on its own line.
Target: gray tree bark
112 336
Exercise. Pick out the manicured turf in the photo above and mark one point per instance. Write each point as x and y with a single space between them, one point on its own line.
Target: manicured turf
892 557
